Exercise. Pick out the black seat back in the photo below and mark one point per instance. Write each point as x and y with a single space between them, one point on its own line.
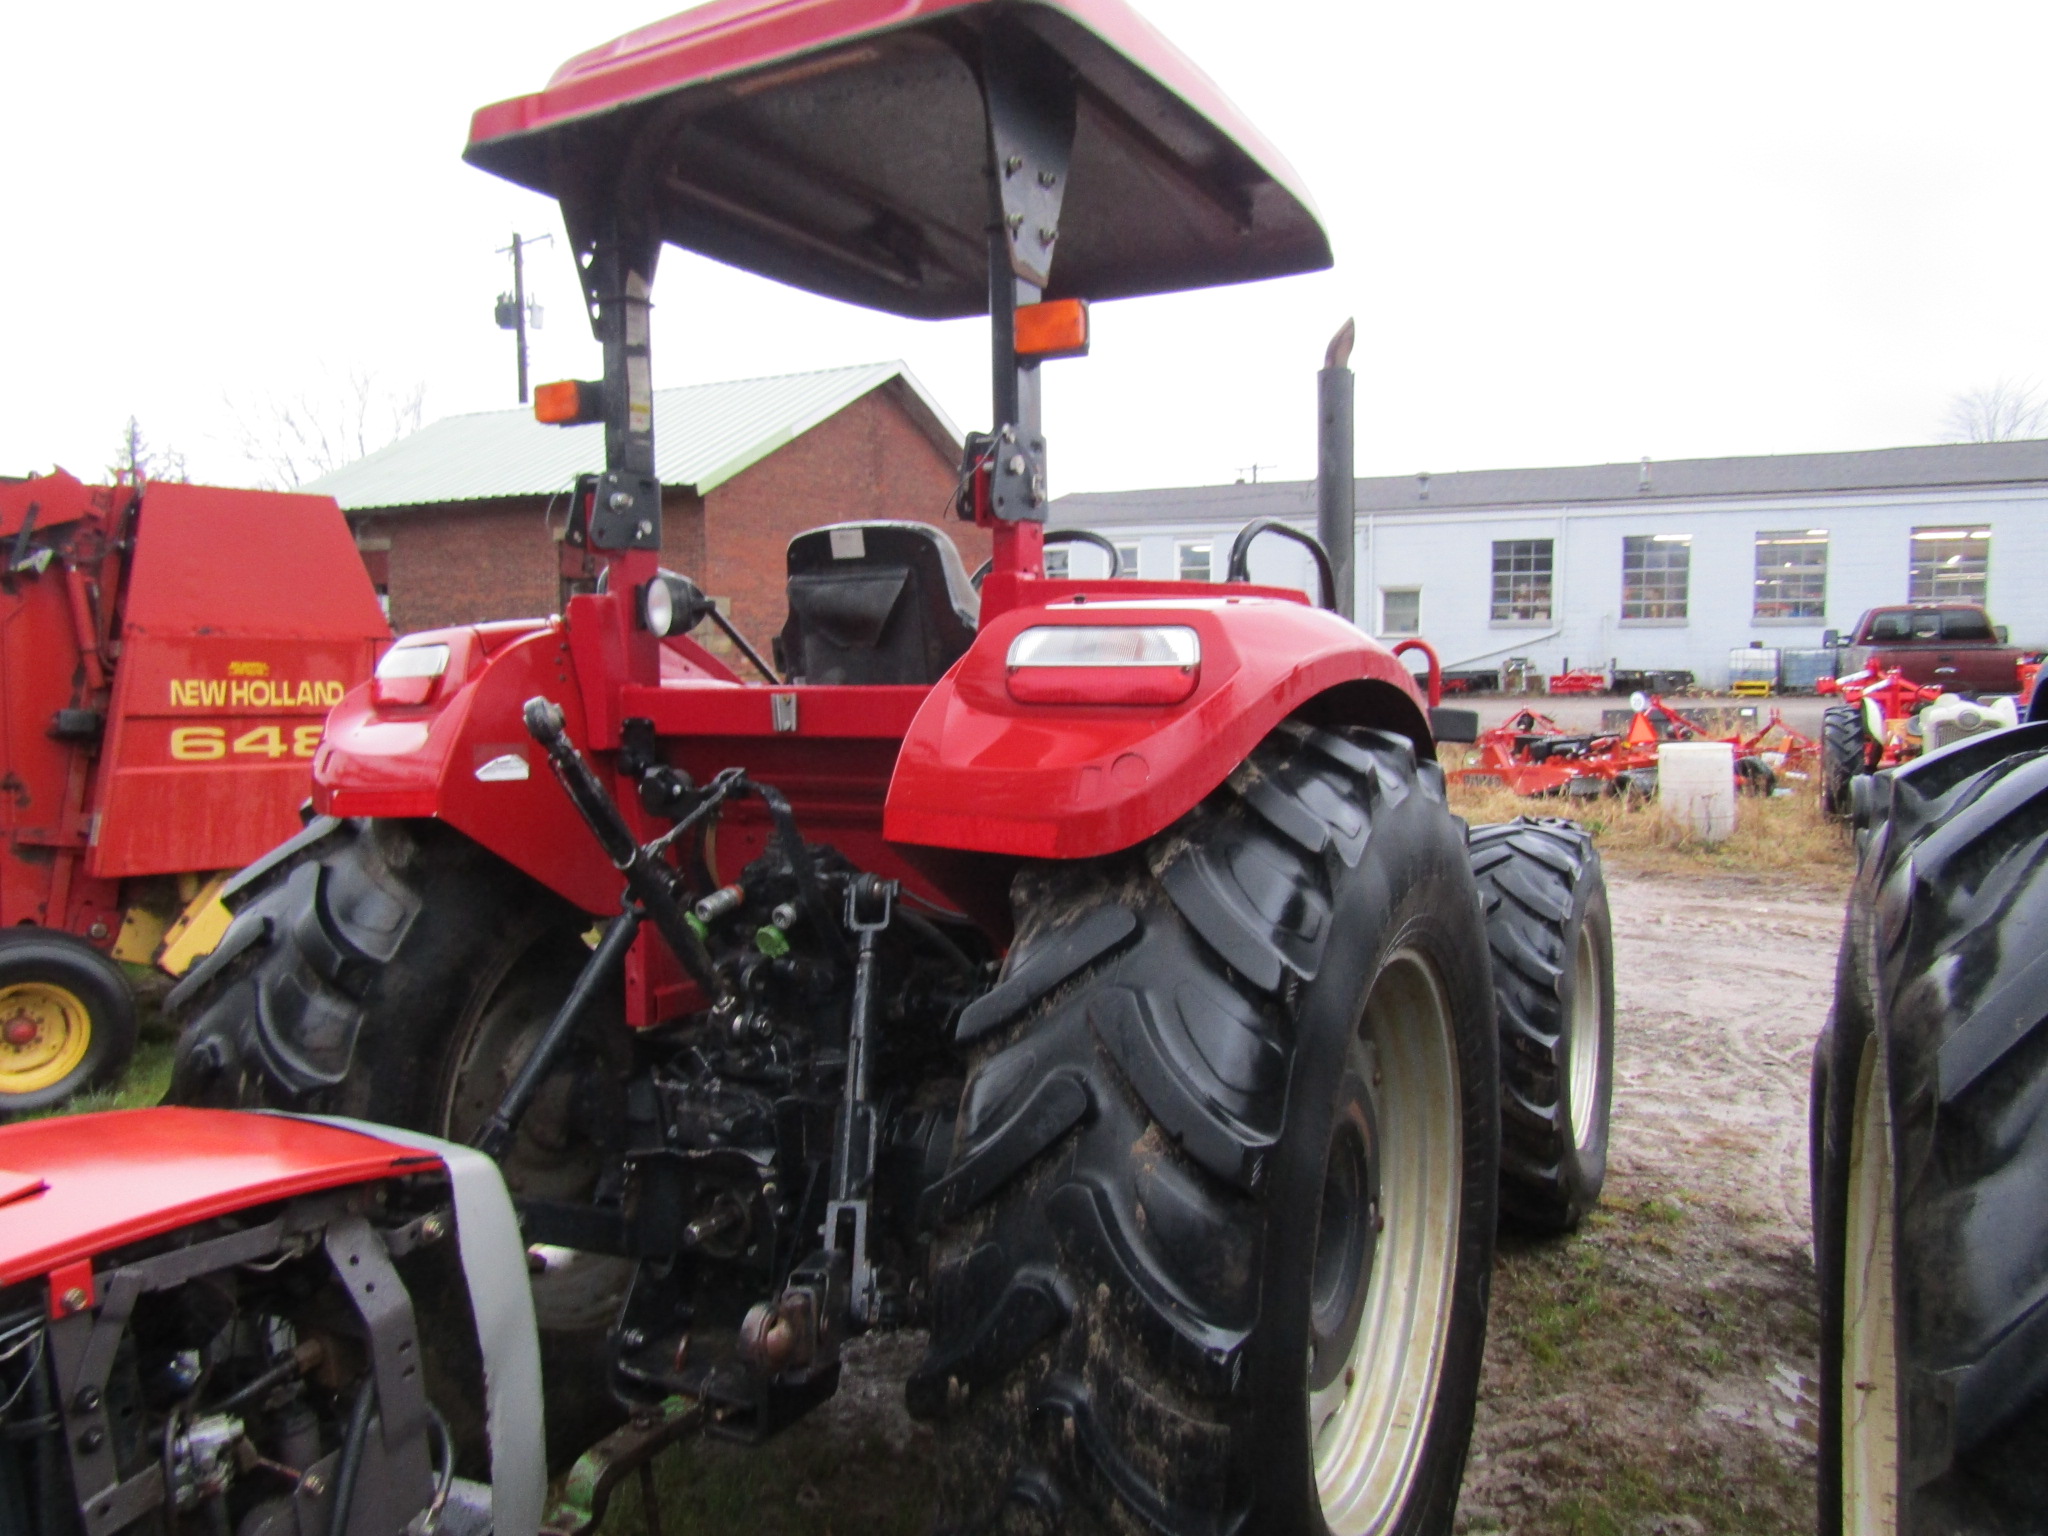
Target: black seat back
882 602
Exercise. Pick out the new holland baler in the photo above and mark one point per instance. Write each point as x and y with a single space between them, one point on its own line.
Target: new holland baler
168 655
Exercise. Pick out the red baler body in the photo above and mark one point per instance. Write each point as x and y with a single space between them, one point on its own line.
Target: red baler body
169 654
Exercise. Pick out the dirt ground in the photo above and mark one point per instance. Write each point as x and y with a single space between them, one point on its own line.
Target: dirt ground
1652 1374
1648 1376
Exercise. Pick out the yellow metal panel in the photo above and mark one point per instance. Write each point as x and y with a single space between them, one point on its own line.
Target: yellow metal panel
141 932
197 929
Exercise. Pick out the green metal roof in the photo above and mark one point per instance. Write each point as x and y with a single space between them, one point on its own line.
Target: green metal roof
704 434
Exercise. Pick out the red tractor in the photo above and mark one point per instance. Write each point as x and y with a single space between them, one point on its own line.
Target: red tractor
1090 972
167 655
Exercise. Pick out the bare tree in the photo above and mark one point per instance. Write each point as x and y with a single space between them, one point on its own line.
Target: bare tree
136 461
299 437
2000 413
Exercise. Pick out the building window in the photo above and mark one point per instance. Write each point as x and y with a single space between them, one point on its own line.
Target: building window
1194 561
1656 569
1127 560
1521 580
1949 564
1056 562
1400 610
1792 575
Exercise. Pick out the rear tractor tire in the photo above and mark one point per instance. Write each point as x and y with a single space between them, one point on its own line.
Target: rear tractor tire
67 1020
1217 1232
1930 1154
1552 939
398 973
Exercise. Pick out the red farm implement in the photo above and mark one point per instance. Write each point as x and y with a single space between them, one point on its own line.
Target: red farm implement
168 654
1532 754
1091 973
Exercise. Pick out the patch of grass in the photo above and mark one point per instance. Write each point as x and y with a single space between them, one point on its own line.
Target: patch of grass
145 1082
802 1484
1779 836
1631 1330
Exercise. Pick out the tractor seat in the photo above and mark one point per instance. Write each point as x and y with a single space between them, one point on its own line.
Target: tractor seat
882 602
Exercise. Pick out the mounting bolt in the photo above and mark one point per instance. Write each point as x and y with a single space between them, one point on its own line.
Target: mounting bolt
643 527
87 1400
74 1299
631 1338
313 1485
621 501
92 1440
1047 236
1015 221
1046 178
1012 164
433 1228
1015 464
97 931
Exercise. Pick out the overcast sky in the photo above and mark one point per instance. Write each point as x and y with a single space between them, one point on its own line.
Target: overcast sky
1570 233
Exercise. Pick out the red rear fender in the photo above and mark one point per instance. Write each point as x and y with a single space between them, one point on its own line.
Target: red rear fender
982 771
462 755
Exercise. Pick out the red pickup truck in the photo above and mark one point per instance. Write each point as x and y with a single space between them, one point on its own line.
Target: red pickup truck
1953 644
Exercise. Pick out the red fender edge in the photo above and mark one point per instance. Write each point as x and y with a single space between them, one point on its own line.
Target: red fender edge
983 772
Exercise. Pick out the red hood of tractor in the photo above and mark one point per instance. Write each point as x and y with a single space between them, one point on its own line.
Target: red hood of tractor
78 1186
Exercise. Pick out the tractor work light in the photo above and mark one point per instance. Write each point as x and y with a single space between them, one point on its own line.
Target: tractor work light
1104 664
672 604
569 403
408 674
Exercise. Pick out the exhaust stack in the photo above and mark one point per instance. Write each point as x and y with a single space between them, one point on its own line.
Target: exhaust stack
1336 517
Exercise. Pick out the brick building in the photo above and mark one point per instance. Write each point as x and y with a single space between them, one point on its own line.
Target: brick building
462 521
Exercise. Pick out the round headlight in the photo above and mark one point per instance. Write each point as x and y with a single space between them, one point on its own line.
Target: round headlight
658 606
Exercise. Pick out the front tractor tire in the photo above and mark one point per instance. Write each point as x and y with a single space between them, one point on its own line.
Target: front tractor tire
1930 1155
1217 1231
396 972
67 1020
1552 939
1844 753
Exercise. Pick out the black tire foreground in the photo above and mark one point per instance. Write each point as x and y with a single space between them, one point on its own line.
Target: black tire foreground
396 972
1196 1166
1844 753
1547 924
64 984
1930 1155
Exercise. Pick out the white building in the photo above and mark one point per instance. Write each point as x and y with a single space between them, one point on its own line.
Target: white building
1664 566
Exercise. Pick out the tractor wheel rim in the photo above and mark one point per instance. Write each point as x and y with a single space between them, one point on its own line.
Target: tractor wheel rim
1583 1057
1870 1382
45 1032
572 1290
1369 1425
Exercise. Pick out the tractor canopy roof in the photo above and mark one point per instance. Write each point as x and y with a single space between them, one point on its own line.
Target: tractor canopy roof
840 146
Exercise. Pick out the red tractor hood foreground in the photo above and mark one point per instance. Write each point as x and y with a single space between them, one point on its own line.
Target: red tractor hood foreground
75 1187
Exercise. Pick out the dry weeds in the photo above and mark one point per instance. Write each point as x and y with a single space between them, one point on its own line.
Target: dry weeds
1784 836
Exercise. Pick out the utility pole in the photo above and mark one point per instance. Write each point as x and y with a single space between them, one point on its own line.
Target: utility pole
513 311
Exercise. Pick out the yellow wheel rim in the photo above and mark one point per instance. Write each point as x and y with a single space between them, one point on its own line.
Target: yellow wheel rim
45 1032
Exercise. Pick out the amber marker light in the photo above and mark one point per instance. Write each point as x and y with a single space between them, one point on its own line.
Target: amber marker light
569 403
1056 328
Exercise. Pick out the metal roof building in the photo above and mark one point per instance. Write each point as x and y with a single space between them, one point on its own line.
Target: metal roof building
704 435
462 521
1667 565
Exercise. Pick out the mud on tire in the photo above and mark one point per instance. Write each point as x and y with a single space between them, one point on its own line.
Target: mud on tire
1930 1154
1548 928
397 972
1225 1082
